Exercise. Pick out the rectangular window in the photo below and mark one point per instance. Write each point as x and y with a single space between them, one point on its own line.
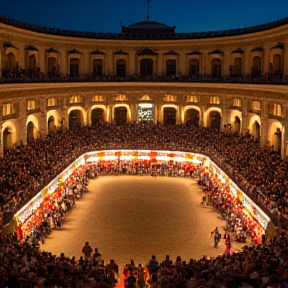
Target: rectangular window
31 105
236 102
277 110
52 102
8 109
256 105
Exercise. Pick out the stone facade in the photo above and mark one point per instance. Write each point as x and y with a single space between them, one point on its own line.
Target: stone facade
28 111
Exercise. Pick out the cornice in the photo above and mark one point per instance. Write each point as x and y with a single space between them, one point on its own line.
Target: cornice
261 92
21 35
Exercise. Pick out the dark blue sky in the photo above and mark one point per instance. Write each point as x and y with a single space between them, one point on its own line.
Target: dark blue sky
106 15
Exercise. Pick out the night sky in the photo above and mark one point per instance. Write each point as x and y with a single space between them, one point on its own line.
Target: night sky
106 15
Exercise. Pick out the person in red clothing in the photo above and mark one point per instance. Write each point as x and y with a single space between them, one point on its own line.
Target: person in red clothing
87 251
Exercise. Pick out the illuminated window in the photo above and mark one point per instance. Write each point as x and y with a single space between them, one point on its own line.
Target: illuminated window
97 98
192 99
8 109
120 97
214 100
170 98
237 102
52 102
277 110
75 99
31 105
256 105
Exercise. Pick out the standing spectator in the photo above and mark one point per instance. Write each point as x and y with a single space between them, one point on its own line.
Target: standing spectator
87 251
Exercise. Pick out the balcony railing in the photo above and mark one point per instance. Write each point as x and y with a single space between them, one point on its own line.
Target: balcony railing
249 79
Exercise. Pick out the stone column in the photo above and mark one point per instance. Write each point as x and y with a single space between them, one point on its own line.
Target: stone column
22 52
109 63
285 68
131 63
264 124
226 64
133 113
225 119
160 64
63 61
284 140
245 120
266 61
178 115
42 59
85 67
202 115
247 63
182 64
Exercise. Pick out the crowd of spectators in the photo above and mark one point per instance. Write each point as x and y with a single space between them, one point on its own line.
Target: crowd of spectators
36 76
22 265
260 172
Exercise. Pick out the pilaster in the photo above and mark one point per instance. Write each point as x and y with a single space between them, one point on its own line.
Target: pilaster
285 69
131 63
247 62
264 124
42 65
63 61
109 63
266 60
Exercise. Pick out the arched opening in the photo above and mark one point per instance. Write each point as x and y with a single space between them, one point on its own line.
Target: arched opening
169 116
74 67
97 67
256 130
237 67
170 67
97 116
215 119
75 118
216 68
7 139
276 66
121 67
192 117
10 62
52 65
120 115
146 67
237 125
193 67
30 132
32 62
277 140
256 68
51 124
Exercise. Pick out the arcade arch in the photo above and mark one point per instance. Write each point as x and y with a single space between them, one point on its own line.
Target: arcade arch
76 116
235 121
255 126
191 115
275 135
32 127
212 117
97 115
8 135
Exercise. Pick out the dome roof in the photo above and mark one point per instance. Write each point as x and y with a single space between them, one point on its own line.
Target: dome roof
147 27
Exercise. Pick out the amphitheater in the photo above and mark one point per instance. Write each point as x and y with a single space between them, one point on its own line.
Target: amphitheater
233 81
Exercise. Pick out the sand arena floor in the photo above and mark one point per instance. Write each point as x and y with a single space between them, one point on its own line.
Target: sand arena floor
134 217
